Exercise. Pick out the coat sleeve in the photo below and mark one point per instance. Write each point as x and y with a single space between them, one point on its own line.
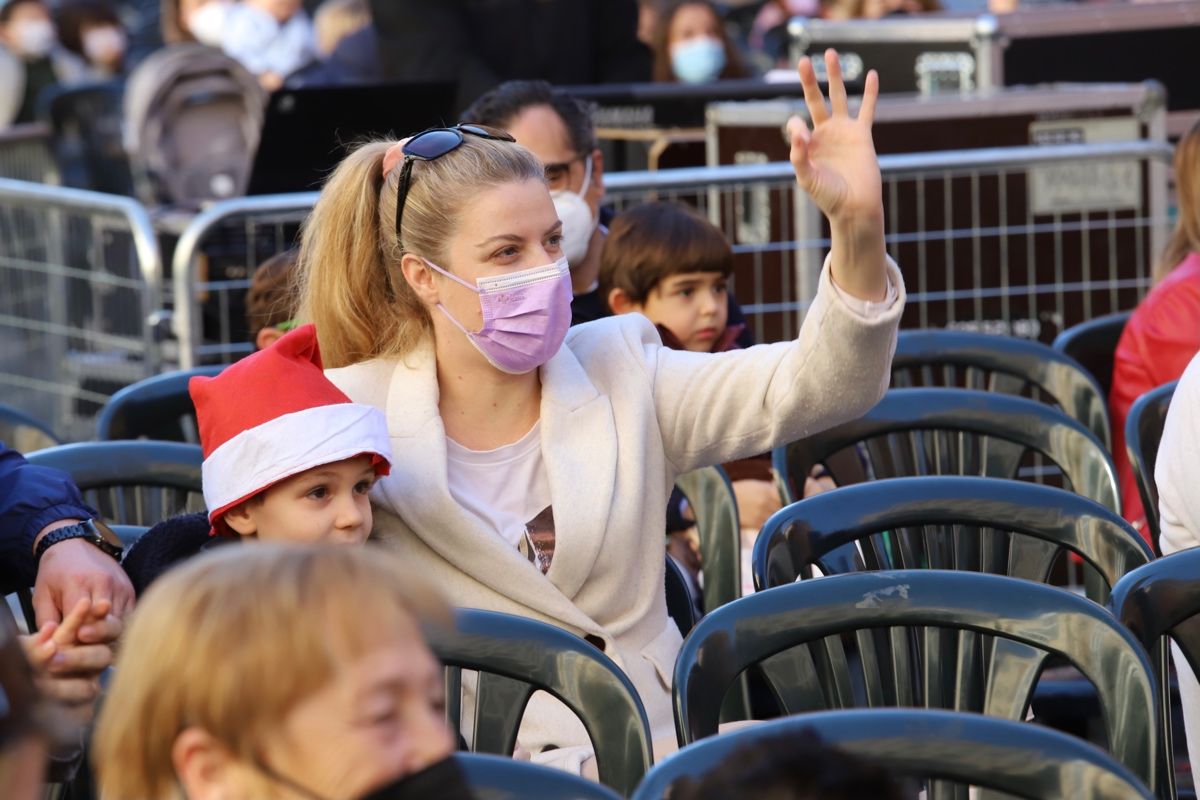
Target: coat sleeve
1175 473
31 497
717 408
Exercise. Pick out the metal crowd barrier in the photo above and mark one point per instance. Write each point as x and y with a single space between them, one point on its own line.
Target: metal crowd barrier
80 277
27 153
1018 240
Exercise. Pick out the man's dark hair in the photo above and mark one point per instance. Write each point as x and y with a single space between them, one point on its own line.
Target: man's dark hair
500 106
790 767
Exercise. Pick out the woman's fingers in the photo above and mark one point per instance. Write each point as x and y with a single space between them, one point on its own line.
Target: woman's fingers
813 98
85 659
68 630
837 88
798 136
866 110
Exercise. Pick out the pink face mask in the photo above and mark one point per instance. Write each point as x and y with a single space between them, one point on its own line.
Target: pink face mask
525 315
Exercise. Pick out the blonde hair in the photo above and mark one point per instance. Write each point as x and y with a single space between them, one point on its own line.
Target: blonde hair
231 641
1186 237
349 277
337 19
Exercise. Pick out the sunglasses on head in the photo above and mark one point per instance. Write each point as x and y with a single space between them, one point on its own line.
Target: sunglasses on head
432 144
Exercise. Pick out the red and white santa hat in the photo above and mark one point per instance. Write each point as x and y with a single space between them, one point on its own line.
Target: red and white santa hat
273 415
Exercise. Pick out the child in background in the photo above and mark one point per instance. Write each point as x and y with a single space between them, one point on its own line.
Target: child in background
270 307
270 38
287 457
668 263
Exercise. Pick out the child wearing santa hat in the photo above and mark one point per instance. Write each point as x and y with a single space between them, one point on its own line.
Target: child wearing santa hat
287 457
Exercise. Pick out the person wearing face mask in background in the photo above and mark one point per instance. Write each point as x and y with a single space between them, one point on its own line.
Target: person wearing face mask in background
558 129
692 46
33 59
92 30
270 38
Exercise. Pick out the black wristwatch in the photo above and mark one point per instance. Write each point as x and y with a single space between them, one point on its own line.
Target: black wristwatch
93 531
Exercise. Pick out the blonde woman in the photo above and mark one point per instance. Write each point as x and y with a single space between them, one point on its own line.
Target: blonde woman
278 671
532 465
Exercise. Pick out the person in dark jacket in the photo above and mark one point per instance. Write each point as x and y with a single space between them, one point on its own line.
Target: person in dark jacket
47 541
477 44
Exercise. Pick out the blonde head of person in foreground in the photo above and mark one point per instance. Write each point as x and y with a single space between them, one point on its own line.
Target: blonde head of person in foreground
278 671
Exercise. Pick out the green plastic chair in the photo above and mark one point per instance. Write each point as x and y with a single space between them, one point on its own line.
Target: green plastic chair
1016 758
158 408
516 656
500 778
960 641
1093 345
988 525
710 495
22 432
969 360
1143 434
133 482
1158 601
954 432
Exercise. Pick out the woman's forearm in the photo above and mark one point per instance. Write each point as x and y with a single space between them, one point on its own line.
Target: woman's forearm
858 257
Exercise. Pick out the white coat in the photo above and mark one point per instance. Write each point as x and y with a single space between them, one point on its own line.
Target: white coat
621 417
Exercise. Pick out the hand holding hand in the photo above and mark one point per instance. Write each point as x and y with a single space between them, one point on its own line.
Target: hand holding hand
72 570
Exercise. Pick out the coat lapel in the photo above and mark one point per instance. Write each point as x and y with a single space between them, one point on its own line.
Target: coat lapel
418 492
579 449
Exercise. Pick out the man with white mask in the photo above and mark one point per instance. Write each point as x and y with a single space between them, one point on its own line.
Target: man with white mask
34 59
558 129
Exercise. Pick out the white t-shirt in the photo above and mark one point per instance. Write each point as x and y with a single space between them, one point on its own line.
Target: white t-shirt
508 490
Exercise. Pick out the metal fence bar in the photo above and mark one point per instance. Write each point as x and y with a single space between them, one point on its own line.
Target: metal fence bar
80 277
778 233
27 153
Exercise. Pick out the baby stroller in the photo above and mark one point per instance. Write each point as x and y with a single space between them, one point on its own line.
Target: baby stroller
192 121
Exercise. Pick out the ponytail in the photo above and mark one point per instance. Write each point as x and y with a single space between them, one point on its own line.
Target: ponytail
349 281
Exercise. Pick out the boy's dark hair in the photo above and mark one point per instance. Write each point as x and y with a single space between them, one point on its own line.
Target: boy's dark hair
790 767
270 300
651 242
500 106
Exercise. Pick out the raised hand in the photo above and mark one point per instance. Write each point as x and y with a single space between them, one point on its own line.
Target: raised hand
835 163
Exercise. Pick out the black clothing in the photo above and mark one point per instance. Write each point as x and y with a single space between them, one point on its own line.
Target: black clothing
39 76
482 43
31 498
167 544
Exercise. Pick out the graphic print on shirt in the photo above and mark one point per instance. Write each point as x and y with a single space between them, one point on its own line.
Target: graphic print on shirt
538 544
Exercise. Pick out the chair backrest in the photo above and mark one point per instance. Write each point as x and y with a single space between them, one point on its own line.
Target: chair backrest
158 407
926 638
505 778
977 524
710 495
1093 344
681 602
23 433
955 432
969 360
1162 599
1017 758
516 656
132 483
1143 434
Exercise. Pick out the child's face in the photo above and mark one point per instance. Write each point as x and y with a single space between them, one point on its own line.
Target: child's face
324 504
691 305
